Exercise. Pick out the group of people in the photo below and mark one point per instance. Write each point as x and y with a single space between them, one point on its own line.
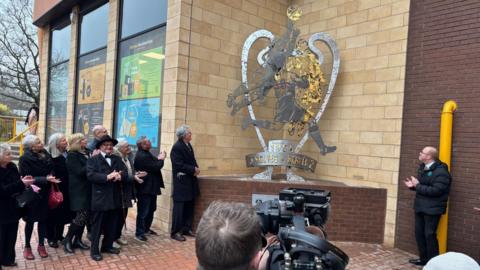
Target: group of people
98 181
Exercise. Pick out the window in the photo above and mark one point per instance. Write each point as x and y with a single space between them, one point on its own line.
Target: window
90 83
58 78
139 15
140 71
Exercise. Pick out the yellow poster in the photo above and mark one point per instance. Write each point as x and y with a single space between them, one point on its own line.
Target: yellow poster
91 84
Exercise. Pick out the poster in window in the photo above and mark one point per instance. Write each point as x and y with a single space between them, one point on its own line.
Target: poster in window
141 66
138 117
88 115
91 78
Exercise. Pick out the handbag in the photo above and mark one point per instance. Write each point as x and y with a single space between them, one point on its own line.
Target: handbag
26 197
55 198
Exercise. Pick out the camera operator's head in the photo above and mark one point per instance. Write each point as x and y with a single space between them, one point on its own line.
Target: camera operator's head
228 237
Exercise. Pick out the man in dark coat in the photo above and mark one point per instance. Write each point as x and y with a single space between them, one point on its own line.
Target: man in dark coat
98 132
147 191
431 195
185 185
105 171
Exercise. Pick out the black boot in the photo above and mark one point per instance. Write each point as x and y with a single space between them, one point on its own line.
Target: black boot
77 241
67 242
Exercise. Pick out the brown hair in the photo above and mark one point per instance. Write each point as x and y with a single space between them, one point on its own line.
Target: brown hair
228 236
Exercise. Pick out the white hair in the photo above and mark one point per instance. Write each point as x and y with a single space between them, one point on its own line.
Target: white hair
121 142
182 131
4 148
52 144
97 128
28 141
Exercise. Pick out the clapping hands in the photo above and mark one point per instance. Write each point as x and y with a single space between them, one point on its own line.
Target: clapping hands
139 175
52 179
114 176
411 182
28 180
162 155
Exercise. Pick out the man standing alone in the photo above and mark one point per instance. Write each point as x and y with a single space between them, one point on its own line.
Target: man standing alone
185 185
431 194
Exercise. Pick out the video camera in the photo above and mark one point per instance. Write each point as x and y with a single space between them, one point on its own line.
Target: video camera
288 218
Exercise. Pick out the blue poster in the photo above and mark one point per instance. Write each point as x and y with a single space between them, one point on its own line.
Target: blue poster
138 117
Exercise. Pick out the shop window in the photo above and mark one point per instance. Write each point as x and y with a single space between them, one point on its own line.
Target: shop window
94 29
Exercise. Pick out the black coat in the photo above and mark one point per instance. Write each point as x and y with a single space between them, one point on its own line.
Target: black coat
146 161
62 214
185 187
432 191
38 165
10 184
106 195
80 189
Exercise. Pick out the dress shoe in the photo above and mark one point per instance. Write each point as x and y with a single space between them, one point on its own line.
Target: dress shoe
67 245
189 233
96 257
13 264
141 238
42 251
152 232
53 244
28 254
417 262
178 237
111 250
77 243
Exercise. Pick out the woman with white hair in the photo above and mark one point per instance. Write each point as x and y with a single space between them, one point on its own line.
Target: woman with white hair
80 190
127 189
36 161
10 184
61 215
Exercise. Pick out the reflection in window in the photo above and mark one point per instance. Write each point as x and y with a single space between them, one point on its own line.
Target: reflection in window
57 99
139 15
60 44
94 29
139 87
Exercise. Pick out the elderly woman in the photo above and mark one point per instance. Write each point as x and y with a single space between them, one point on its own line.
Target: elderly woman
58 217
36 161
10 184
127 189
80 191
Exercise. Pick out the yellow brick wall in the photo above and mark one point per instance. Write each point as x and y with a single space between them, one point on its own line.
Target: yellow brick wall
364 116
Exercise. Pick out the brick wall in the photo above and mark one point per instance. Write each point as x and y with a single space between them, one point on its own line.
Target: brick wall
357 214
443 62
364 116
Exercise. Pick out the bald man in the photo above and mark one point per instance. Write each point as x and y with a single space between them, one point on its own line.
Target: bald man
431 187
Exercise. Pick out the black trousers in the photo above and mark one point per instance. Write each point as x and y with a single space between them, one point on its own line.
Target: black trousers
54 231
8 237
182 218
146 206
121 217
426 235
103 222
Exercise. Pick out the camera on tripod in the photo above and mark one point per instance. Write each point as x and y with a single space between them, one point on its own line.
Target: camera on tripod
288 217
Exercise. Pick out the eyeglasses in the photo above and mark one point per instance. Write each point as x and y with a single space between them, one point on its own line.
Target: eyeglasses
421 152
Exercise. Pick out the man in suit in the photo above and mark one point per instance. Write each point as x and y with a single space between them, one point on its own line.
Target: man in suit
431 187
105 171
149 189
185 185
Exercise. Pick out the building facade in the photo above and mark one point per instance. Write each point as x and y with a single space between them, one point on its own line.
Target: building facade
143 67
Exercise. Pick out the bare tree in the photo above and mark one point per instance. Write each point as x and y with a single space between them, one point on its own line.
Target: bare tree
19 54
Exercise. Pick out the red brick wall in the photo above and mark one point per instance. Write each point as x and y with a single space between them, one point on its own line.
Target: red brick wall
443 62
357 214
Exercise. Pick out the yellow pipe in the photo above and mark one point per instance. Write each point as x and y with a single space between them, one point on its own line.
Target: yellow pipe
20 151
445 156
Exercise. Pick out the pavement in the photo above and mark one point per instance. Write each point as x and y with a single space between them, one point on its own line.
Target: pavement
160 252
